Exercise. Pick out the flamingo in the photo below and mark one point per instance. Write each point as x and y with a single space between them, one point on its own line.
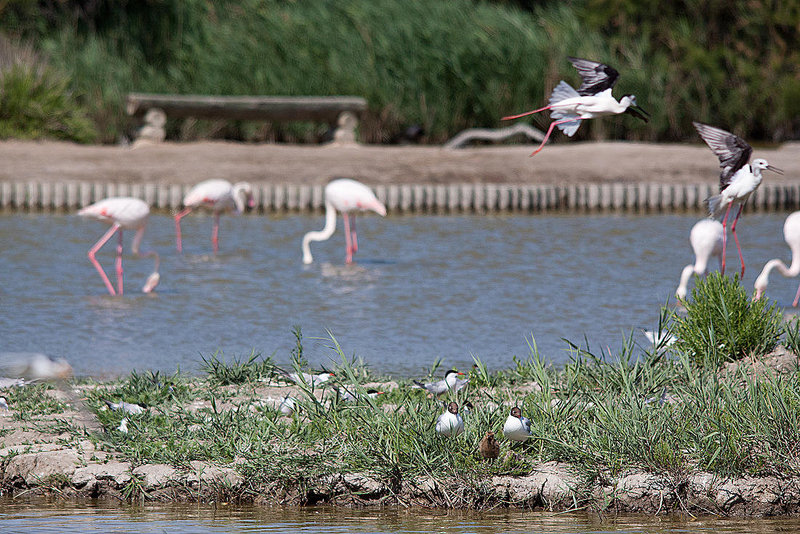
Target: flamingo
344 195
121 212
737 181
219 196
791 233
592 99
706 240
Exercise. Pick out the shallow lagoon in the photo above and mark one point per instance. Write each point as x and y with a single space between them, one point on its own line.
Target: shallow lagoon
422 288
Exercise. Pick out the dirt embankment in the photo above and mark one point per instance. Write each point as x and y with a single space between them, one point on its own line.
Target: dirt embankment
563 163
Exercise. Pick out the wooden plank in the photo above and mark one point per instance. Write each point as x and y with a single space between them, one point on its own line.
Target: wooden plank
273 108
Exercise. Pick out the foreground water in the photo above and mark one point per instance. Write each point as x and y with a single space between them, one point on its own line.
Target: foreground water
423 287
44 518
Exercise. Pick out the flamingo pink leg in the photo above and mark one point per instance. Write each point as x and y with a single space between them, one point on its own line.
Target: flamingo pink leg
354 238
735 238
796 298
92 251
347 239
549 131
119 263
178 218
724 238
215 232
524 114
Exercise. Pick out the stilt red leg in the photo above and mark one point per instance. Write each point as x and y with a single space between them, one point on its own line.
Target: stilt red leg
215 233
724 238
549 131
735 238
347 239
93 251
178 218
524 114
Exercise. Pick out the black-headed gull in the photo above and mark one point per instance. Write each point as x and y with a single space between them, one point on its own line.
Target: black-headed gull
450 423
517 427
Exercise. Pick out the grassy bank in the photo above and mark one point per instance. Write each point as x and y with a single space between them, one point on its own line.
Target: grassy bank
442 65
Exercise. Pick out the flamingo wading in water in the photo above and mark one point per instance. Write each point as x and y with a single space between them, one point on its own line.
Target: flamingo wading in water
593 98
121 213
791 233
706 241
344 195
737 181
218 196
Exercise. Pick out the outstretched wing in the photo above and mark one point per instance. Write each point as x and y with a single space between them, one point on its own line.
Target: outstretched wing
596 76
733 151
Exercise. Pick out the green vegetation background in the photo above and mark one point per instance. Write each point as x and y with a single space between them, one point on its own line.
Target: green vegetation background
445 65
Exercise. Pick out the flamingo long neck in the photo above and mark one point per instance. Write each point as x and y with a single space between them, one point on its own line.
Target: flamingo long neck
238 192
686 274
320 235
137 241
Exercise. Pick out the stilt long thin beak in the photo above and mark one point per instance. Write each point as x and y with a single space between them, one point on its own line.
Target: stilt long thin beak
775 169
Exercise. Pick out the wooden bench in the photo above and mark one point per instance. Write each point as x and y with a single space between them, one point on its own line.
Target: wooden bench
341 112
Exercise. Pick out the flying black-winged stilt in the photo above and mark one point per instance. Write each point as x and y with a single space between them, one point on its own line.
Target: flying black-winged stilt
593 98
737 181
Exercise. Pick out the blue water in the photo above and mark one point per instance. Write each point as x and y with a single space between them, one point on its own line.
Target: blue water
422 288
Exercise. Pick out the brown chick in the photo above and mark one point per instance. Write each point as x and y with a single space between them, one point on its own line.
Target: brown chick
489 447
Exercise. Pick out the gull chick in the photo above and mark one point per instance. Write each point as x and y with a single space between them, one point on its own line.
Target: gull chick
489 447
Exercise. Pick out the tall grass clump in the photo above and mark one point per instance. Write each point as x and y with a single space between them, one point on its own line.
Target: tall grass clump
35 100
723 324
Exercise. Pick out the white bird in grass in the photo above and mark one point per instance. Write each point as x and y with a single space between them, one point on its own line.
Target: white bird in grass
218 196
286 405
450 423
517 427
347 196
737 181
593 98
706 240
664 338
3 404
125 407
123 425
791 233
451 382
307 378
351 394
121 213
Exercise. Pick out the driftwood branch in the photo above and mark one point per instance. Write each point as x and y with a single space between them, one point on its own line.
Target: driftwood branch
486 134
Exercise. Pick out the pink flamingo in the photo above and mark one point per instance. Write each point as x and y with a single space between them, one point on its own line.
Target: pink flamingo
344 195
737 181
121 212
706 241
791 233
219 196
592 99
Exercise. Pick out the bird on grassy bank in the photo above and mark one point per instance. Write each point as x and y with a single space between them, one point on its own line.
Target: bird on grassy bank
451 382
489 447
737 181
219 196
286 405
123 425
660 338
33 367
350 394
517 427
3 404
125 407
593 98
706 240
307 378
121 213
347 196
791 233
450 423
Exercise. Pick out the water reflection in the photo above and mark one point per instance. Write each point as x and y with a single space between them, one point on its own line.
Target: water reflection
42 518
422 288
